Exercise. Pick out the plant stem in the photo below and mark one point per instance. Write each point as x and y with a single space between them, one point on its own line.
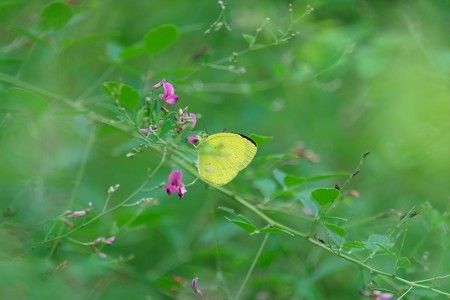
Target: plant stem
266 237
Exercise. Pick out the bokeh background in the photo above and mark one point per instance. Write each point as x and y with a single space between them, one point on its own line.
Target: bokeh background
354 76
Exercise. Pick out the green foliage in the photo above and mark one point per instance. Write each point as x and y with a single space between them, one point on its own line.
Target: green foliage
87 143
55 15
160 38
325 196
125 95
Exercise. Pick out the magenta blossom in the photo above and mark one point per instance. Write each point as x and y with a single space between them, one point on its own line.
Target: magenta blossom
377 295
144 131
169 93
190 118
193 139
175 184
184 119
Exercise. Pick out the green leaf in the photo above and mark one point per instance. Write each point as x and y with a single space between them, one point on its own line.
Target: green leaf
133 51
66 43
7 3
336 229
334 218
403 262
160 38
260 139
280 156
354 244
140 115
327 176
279 177
250 228
22 99
424 293
325 195
291 180
275 230
250 39
167 125
33 36
311 206
227 209
385 249
266 186
283 194
125 94
375 239
243 218
55 15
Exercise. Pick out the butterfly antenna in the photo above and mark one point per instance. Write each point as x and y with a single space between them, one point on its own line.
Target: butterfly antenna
204 125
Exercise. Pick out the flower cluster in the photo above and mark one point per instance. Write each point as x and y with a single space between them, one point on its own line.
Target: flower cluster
70 214
99 241
184 120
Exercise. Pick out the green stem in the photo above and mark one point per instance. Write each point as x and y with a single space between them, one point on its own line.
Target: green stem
244 283
76 187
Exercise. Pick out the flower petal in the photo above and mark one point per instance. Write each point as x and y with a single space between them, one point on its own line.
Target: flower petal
171 99
193 139
168 89
193 119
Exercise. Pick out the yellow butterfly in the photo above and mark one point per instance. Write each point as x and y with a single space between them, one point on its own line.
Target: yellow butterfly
222 155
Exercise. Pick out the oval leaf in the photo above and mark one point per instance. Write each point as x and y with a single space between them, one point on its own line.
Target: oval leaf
250 39
385 249
250 228
403 262
336 229
375 239
55 15
324 196
125 94
354 245
311 207
291 180
267 187
133 51
279 177
161 38
227 209
260 139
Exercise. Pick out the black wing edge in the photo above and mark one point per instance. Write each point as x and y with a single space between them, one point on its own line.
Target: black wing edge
249 139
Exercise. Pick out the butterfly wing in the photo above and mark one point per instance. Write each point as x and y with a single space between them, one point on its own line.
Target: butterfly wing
223 155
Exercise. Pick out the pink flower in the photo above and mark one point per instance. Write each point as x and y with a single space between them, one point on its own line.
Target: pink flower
190 118
194 286
144 131
169 93
175 184
184 119
377 295
78 214
382 296
110 240
193 139
101 254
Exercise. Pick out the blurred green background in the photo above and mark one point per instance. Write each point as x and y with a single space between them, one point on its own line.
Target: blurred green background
355 76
